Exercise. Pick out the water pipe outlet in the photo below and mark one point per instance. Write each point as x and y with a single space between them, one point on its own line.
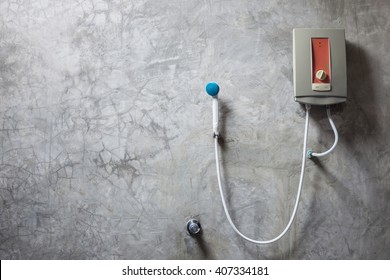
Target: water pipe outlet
193 227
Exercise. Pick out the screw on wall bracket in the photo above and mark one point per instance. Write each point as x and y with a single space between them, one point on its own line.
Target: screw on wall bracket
193 227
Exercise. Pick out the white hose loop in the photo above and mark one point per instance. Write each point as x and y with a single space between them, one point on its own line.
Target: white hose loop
336 136
297 198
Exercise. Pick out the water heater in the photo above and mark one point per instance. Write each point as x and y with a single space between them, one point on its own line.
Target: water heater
320 78
320 71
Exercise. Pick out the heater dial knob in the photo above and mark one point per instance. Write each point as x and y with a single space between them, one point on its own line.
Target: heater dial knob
321 75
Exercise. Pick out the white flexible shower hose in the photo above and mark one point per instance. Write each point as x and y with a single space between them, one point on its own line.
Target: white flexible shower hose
298 193
336 136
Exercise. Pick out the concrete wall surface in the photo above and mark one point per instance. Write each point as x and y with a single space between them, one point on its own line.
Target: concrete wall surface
106 138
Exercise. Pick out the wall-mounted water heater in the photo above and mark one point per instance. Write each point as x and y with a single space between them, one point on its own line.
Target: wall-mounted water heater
320 78
319 61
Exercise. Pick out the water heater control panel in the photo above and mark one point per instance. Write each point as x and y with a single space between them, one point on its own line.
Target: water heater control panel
320 71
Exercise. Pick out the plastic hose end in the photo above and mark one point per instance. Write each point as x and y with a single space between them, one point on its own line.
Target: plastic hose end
309 154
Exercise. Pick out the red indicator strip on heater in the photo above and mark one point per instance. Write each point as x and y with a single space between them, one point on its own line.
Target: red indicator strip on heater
321 70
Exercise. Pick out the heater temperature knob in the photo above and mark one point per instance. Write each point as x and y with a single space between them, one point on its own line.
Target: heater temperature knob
321 75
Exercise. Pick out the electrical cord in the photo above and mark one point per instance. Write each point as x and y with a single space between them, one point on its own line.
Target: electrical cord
298 193
336 138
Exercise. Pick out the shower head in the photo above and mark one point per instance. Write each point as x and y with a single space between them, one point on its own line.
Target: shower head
212 89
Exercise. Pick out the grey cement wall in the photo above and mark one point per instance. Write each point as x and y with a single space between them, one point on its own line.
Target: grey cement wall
106 146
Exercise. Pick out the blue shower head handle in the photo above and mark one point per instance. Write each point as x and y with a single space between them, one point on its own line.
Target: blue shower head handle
212 89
